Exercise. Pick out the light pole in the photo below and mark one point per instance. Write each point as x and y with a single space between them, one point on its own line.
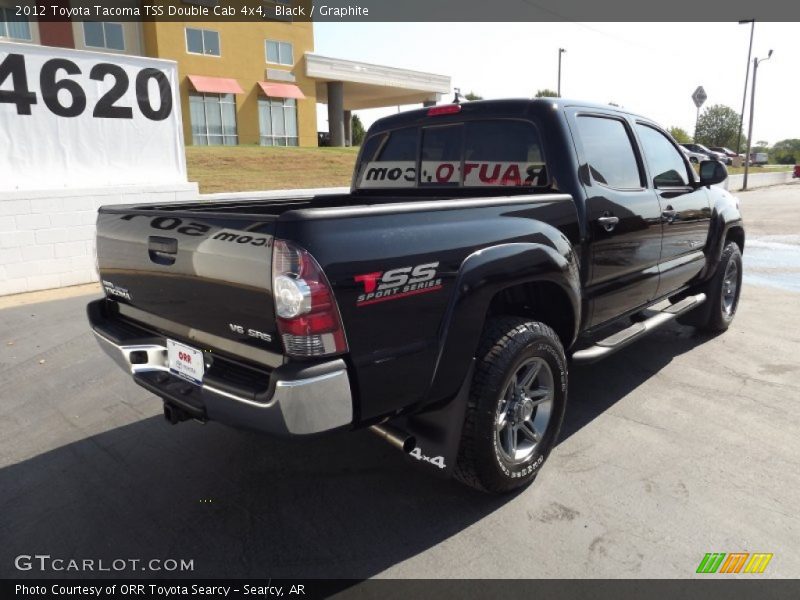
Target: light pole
560 52
752 110
746 77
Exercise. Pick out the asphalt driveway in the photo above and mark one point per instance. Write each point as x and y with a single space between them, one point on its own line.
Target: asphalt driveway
679 445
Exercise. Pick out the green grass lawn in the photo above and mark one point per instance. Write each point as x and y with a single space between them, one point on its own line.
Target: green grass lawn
250 168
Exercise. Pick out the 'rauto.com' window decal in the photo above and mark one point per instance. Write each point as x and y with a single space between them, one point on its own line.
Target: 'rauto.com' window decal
402 174
390 174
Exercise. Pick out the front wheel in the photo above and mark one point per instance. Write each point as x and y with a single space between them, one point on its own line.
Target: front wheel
516 405
722 293
725 289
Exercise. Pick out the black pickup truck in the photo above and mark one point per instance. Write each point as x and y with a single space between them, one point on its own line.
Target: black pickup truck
482 248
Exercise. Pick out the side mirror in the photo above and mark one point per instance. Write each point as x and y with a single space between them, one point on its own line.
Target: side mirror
712 172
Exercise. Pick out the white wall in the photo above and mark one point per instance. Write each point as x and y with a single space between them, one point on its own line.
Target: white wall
755 180
270 194
58 169
42 147
47 237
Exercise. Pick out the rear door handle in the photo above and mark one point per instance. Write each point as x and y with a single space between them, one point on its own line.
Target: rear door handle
608 222
669 214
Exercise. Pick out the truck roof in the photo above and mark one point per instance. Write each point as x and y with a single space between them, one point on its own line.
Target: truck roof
511 107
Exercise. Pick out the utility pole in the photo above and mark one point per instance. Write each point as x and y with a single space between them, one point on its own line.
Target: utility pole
696 122
560 52
746 77
752 111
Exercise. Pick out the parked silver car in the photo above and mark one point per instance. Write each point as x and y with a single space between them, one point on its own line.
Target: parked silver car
729 154
694 157
709 154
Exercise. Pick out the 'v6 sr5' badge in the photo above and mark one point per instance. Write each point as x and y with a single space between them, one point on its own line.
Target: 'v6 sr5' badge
382 286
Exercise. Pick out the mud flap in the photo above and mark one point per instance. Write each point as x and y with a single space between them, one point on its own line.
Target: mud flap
438 432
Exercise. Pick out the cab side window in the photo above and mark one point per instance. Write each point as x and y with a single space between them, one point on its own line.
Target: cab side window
665 160
609 152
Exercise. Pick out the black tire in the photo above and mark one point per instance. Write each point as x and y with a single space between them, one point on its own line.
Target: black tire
508 345
717 312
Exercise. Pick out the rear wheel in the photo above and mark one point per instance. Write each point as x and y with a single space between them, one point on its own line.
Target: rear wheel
516 405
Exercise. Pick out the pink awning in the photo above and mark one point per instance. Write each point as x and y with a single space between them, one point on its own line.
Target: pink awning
281 90
215 85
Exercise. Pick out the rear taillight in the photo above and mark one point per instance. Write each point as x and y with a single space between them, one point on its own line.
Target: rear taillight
306 311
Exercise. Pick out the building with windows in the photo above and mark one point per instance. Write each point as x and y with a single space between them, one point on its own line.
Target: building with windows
243 83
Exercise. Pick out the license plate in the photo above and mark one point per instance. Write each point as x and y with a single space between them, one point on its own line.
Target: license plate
185 361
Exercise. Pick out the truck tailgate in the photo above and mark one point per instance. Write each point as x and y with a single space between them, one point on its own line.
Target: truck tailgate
201 277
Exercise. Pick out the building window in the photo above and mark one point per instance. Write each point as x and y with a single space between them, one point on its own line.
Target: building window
277 118
109 36
14 27
280 53
213 119
202 41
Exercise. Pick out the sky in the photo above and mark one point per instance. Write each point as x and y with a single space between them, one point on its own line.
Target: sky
649 68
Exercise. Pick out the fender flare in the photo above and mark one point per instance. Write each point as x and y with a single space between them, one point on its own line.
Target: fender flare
481 276
722 223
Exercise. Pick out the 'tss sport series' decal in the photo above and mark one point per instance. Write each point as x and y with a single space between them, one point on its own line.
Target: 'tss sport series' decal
381 286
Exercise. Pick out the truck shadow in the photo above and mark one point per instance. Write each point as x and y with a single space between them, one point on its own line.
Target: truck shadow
235 503
596 387
238 504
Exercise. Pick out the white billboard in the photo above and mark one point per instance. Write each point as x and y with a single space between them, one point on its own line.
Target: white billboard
76 119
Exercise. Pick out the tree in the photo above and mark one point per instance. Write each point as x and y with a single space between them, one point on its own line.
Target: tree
358 130
546 93
680 135
718 125
786 152
473 96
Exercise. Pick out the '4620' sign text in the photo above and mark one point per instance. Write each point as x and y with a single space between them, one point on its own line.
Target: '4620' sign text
62 94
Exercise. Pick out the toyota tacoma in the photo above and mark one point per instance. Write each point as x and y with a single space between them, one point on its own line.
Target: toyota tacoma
482 249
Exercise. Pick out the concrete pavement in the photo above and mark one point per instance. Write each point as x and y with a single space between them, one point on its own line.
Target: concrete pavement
679 445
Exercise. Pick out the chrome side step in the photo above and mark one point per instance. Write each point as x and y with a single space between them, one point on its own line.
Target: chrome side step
619 340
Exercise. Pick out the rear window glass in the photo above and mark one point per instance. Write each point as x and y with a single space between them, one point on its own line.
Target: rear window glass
490 153
441 155
401 145
389 160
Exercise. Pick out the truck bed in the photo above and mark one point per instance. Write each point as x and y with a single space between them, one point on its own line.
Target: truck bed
275 207
201 272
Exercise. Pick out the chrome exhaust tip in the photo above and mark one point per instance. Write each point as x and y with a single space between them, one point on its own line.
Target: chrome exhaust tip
396 437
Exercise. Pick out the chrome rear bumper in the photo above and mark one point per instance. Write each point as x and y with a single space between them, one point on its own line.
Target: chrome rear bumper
290 400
